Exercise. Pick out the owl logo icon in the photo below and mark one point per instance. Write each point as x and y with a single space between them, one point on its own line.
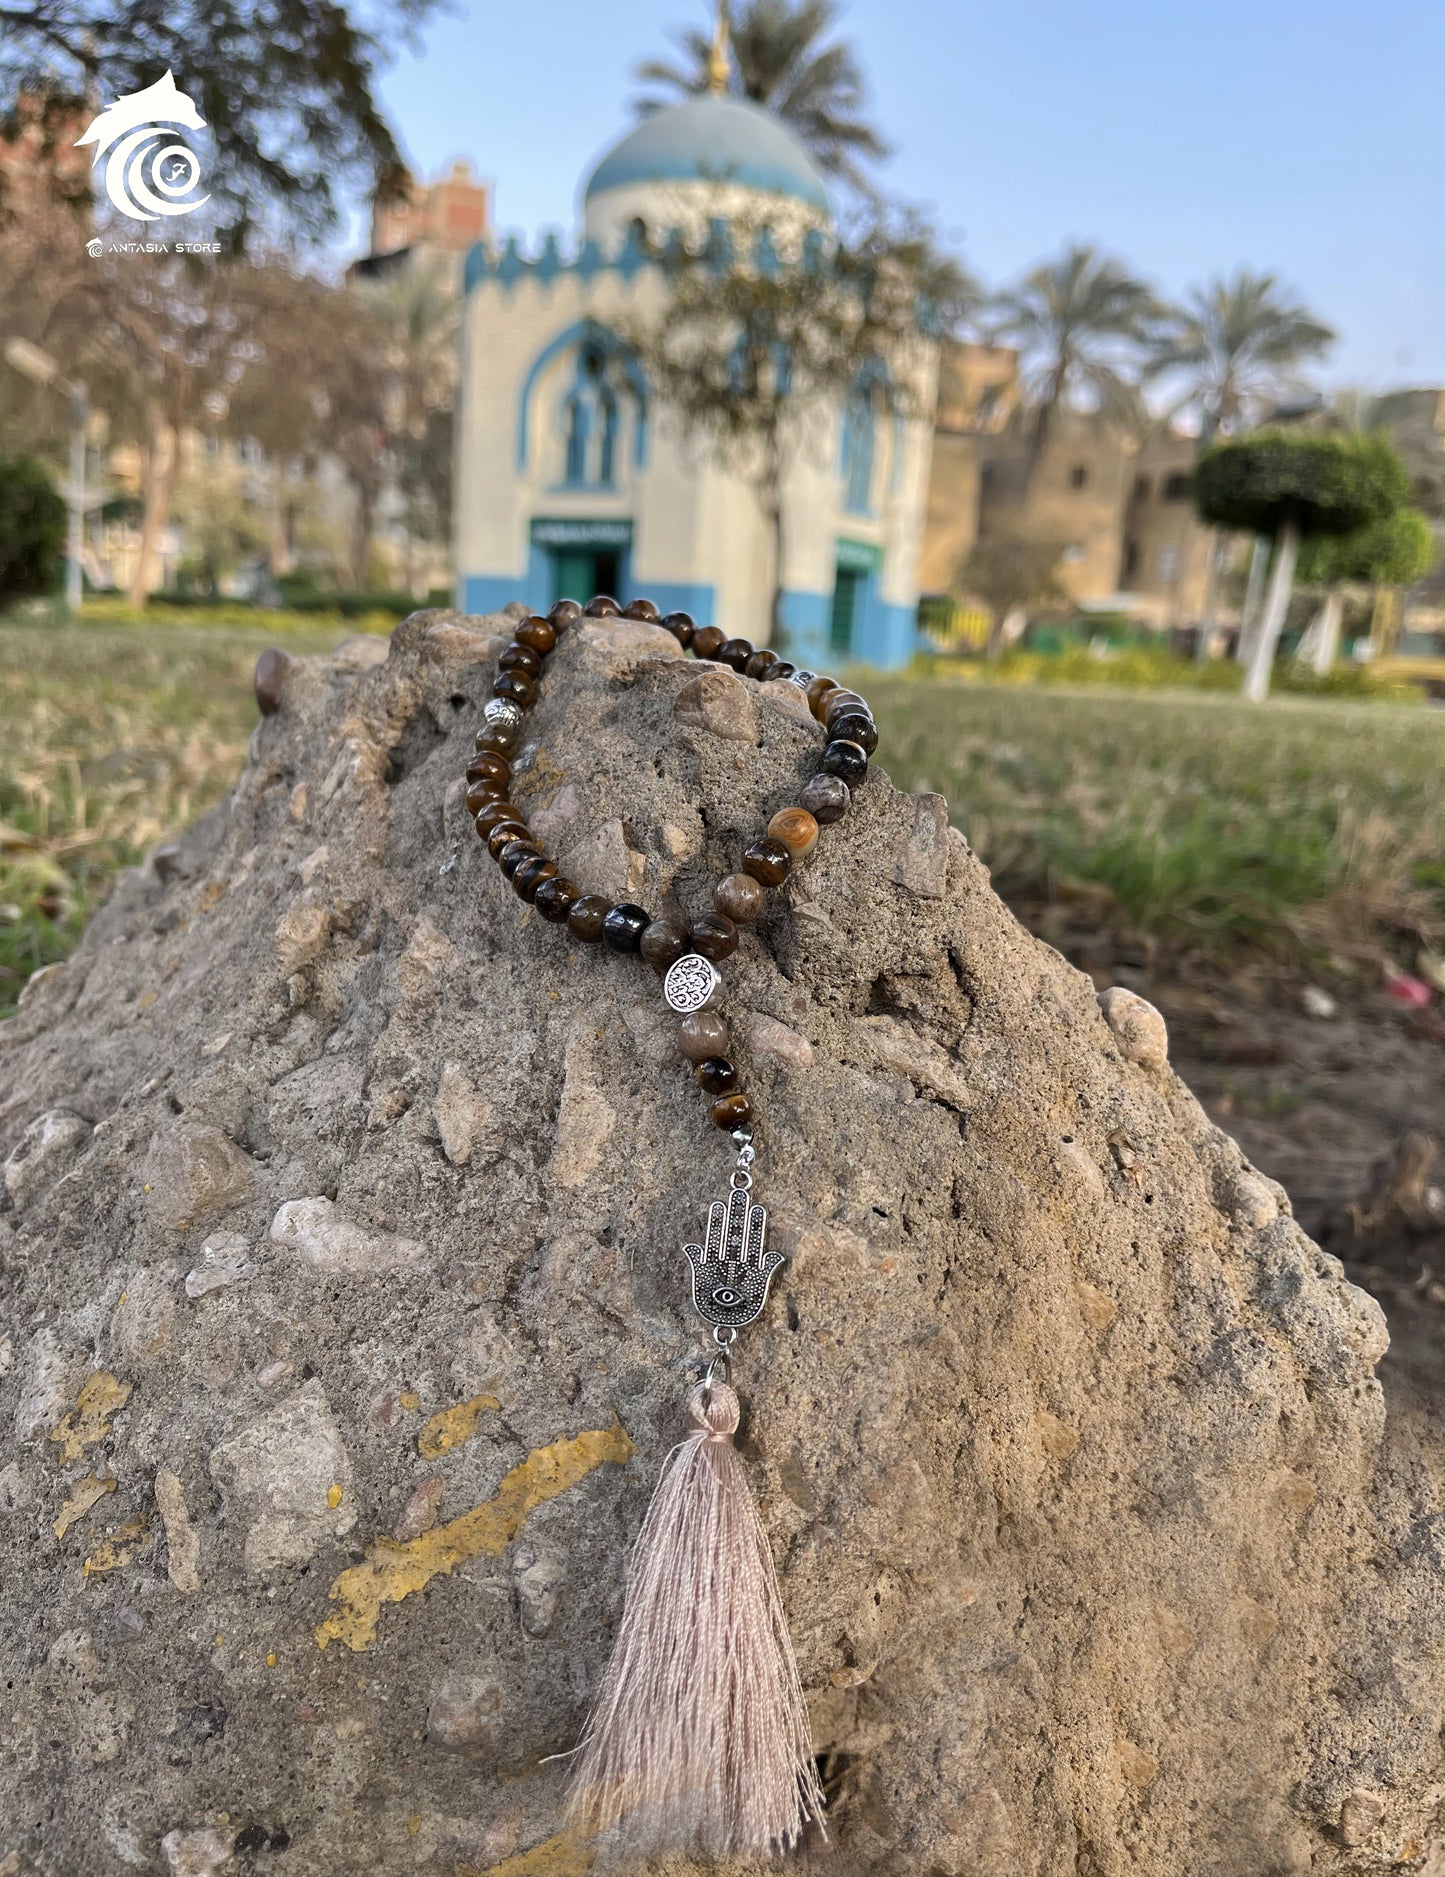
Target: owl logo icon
145 175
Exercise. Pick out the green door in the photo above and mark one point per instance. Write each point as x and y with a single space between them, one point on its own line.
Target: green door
844 617
579 572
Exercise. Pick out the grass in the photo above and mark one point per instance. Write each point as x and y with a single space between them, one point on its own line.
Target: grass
1186 823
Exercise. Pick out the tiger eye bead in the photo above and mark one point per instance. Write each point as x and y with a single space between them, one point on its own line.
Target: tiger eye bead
796 829
487 766
707 641
530 875
826 799
602 606
736 653
816 692
702 1034
732 1111
624 926
515 685
501 832
556 897
768 860
518 657
584 920
760 665
682 626
537 635
714 935
640 609
739 896
852 726
717 1075
481 795
498 739
663 943
848 760
563 613
515 854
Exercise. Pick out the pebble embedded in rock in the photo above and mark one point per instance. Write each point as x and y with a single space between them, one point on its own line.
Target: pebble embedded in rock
322 1237
278 1474
225 1259
191 1172
1138 1027
717 701
42 1149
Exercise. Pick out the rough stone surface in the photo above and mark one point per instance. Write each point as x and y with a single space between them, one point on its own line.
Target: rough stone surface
1101 1553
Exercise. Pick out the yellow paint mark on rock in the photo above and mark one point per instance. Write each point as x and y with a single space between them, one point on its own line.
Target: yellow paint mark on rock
411 1402
118 1549
453 1427
333 1497
413 1824
100 1397
569 1854
392 1571
82 1496
271 1659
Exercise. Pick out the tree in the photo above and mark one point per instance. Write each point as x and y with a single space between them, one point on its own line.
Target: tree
1009 572
778 59
1082 323
287 90
1295 487
1394 551
32 530
1236 346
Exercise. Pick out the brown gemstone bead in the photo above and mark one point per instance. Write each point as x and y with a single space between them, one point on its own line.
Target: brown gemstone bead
817 691
273 668
739 896
514 853
707 641
736 652
826 799
530 875
769 860
488 817
500 741
781 670
624 926
796 829
515 685
836 702
487 766
520 658
761 663
853 726
602 606
584 920
702 1034
717 1075
682 626
663 943
640 609
563 613
732 1111
556 897
714 935
502 832
481 795
537 635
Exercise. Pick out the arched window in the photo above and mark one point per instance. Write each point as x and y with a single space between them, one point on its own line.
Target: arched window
860 437
591 421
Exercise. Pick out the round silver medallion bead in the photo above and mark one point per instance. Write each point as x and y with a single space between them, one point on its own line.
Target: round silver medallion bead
691 984
504 719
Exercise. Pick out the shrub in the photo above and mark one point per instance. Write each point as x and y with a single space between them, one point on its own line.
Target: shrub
32 530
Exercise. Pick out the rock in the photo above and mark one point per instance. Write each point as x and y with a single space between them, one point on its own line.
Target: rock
604 860
225 1260
1360 1815
204 1853
14 1493
281 1475
322 1238
42 1149
1138 1028
1317 1002
1100 1550
301 937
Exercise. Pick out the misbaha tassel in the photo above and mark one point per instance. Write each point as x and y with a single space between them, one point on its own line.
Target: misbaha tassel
699 1739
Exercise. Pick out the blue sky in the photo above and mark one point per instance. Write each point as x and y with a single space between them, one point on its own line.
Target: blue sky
1187 138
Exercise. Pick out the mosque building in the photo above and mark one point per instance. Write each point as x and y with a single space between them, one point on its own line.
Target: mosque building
572 480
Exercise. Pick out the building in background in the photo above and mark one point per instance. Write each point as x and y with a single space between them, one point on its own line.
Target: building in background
428 226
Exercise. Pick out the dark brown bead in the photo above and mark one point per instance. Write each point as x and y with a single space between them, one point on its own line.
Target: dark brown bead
584 920
760 665
537 635
502 833
739 896
556 898
714 935
736 653
702 1034
854 727
500 742
516 685
602 606
769 860
796 829
515 853
682 626
836 702
826 799
563 613
640 609
487 766
817 691
732 1111
717 1075
530 875
624 926
481 795
273 668
520 658
663 943
707 642
848 760
488 817
781 670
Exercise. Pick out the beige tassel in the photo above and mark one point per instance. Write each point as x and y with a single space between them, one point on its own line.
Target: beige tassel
699 1740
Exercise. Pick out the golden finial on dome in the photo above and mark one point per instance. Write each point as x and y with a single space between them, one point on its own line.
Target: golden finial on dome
719 67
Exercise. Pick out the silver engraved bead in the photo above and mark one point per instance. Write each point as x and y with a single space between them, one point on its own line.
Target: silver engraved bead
691 984
500 711
801 678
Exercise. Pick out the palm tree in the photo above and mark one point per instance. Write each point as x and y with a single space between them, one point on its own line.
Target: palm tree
777 59
1082 323
1237 344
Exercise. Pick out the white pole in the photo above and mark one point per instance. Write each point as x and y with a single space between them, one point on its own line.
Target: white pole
79 415
1261 662
1254 586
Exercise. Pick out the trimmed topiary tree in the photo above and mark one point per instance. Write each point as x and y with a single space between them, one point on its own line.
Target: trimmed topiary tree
32 530
1392 552
1295 488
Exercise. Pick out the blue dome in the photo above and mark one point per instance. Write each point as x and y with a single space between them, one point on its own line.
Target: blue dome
712 139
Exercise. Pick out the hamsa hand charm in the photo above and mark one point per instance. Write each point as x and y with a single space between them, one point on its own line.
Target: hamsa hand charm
731 1273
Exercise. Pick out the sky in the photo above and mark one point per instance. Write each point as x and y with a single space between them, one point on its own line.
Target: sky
1187 138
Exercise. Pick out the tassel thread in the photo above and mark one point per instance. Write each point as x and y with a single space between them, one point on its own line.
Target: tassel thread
699 1738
